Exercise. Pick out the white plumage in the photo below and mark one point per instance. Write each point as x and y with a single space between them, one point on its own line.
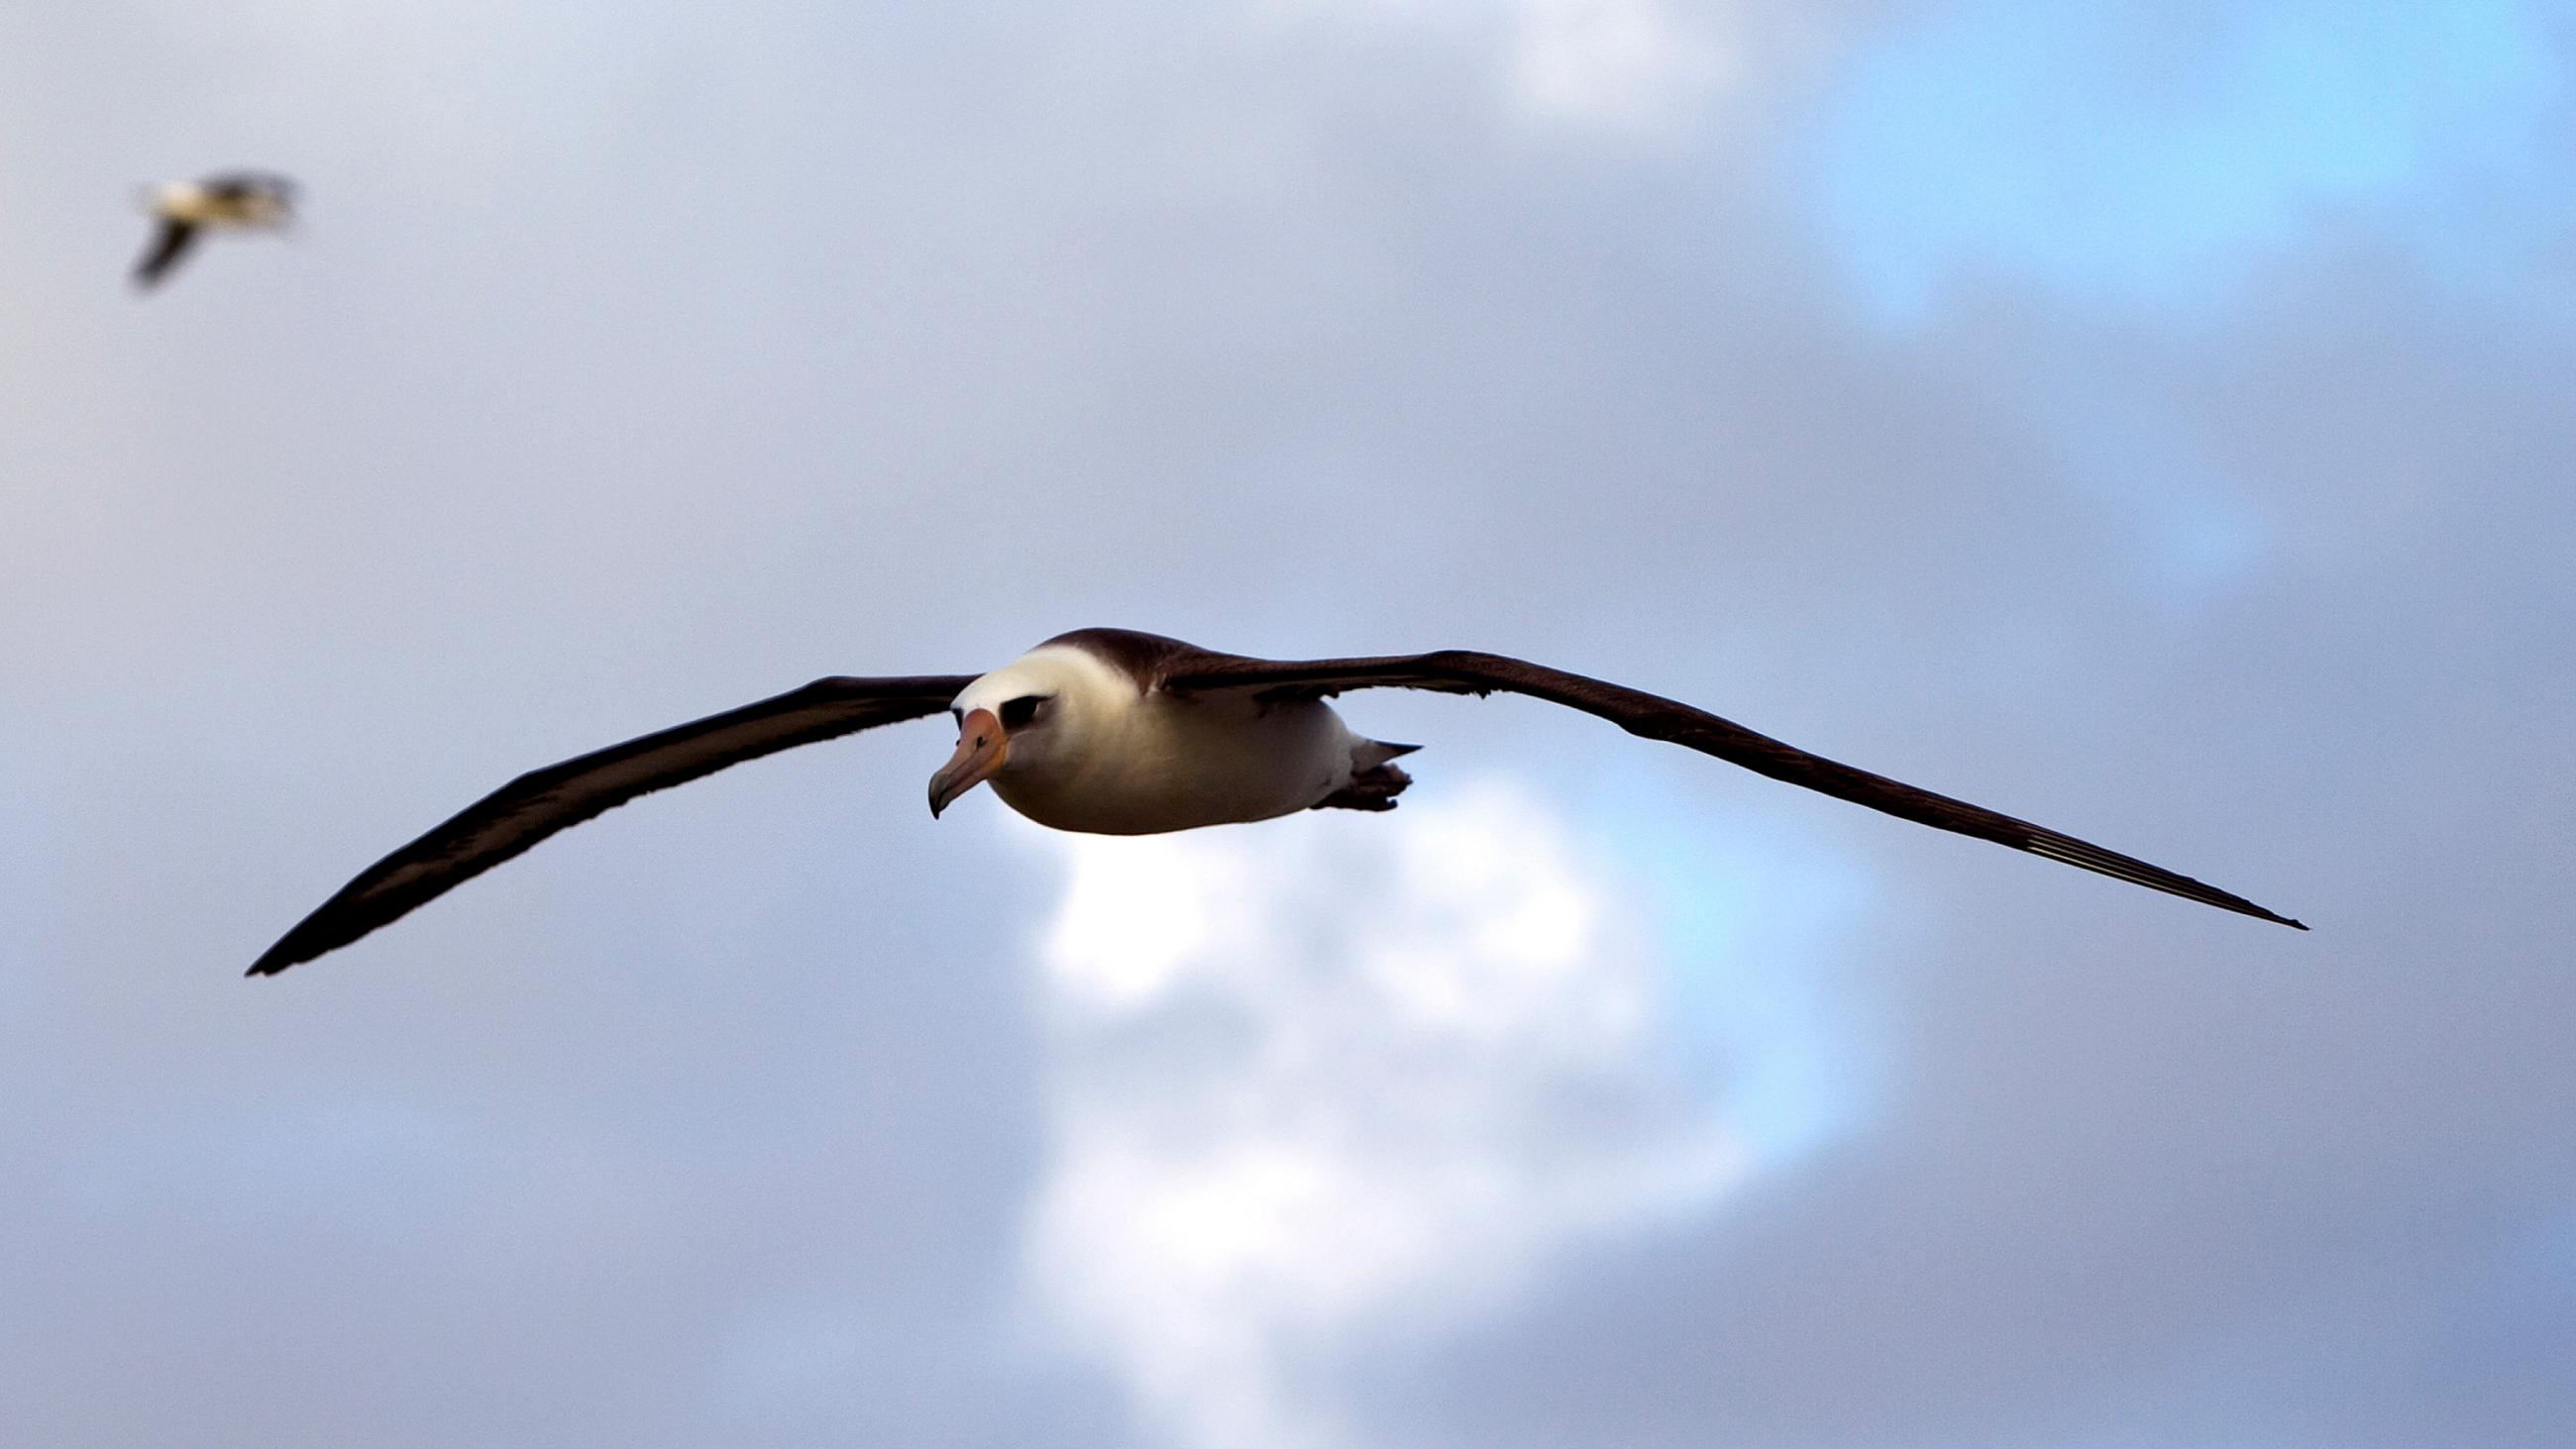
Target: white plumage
1100 754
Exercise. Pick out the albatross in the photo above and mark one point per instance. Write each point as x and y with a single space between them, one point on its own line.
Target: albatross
1115 732
232 200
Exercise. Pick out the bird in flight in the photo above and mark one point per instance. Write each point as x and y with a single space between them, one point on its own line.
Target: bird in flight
1120 733
229 201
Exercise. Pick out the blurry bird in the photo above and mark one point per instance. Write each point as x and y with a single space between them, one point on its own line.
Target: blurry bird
232 200
1118 733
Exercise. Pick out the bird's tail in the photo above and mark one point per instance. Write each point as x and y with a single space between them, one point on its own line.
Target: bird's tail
1367 755
1374 783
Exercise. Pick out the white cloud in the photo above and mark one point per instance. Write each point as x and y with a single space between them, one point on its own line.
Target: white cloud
1627 64
1338 1078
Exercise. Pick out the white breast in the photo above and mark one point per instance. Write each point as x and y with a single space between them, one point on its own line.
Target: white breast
1163 763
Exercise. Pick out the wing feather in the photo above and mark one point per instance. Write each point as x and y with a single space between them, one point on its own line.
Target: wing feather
1654 717
168 245
515 817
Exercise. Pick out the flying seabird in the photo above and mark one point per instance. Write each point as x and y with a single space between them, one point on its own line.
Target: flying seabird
232 200
1120 733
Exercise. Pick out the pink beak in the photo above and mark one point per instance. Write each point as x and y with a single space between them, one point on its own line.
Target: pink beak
981 749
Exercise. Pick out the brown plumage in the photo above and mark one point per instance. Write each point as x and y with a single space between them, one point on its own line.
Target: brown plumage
1654 717
1177 698
186 210
515 817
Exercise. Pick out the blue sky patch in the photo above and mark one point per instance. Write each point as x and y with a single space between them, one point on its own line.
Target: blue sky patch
2155 154
1752 926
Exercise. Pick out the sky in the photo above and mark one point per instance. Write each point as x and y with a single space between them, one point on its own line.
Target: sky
2149 419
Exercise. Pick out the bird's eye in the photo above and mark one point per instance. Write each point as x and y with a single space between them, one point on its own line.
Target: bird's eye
1018 712
958 715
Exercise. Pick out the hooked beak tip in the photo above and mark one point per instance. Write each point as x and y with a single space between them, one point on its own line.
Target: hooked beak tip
981 749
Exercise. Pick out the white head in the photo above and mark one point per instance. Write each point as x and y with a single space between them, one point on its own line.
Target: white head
1031 718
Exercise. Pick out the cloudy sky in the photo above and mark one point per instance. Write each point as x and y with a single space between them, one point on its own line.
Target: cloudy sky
2150 418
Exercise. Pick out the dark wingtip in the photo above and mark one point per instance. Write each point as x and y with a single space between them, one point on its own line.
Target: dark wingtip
275 959
2275 917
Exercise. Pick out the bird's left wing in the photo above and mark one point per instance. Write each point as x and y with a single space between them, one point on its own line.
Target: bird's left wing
1657 718
541 802
168 245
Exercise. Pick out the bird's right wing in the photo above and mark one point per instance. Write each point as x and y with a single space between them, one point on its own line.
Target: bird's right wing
536 805
168 245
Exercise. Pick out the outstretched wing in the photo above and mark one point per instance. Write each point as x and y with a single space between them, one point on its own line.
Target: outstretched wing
168 245
536 805
1657 718
242 185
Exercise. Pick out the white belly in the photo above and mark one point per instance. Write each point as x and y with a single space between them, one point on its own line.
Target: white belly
1177 764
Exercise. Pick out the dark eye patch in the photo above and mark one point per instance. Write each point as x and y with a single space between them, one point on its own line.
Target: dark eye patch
1018 712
